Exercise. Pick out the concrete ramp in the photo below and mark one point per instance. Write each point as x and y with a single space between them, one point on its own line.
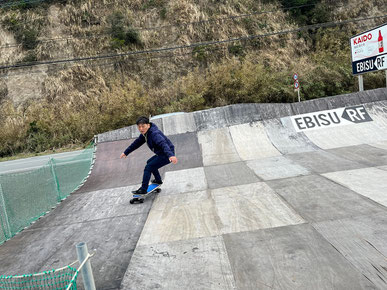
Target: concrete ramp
272 207
265 196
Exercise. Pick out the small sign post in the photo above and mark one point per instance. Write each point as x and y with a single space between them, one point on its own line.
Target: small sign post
297 85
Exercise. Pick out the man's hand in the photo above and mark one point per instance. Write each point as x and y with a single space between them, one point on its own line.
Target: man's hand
173 159
122 156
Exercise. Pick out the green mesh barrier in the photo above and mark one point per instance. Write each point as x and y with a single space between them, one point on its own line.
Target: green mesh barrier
70 173
26 196
65 278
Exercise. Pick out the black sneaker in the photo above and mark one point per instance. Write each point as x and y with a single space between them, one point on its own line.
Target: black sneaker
154 181
139 191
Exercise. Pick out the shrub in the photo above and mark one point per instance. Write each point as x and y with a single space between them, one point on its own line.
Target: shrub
117 43
132 37
200 53
301 15
30 57
186 104
163 13
330 76
116 22
28 37
122 35
236 50
38 139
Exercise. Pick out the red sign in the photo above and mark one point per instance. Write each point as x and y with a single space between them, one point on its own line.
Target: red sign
362 38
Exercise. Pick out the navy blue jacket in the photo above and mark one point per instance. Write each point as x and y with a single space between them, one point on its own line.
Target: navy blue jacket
156 140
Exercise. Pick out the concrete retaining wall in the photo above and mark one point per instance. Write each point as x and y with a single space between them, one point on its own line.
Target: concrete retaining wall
245 113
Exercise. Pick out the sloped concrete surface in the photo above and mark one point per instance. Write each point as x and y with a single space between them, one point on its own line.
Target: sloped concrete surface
375 188
292 257
361 240
252 204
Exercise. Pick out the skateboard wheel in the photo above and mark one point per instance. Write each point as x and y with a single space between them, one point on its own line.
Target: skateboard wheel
141 200
131 201
158 190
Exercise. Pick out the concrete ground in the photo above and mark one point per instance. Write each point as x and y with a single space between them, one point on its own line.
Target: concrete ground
252 204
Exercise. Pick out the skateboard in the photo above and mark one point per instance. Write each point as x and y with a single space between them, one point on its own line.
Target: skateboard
139 198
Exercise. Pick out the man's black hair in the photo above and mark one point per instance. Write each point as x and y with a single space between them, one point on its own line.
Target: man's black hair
142 120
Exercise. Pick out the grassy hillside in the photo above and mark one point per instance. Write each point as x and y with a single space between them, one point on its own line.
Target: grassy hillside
51 106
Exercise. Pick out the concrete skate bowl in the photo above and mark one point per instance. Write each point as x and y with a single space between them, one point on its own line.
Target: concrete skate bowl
265 196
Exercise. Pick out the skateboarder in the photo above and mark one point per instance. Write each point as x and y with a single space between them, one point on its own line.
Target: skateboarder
159 144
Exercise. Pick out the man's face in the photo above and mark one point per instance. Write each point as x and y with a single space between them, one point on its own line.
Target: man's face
143 128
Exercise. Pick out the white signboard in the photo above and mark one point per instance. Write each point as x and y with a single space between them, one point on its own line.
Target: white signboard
367 49
330 118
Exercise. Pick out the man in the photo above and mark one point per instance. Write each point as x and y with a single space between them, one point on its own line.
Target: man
159 144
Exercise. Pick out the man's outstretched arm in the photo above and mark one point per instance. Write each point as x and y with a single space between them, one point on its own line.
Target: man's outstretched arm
136 144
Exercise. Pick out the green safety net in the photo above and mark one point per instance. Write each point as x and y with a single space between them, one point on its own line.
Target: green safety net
26 196
70 173
65 278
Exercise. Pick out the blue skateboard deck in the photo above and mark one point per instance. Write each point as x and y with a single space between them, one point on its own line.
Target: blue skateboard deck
141 197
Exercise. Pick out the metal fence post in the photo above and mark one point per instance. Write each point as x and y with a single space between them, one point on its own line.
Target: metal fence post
7 229
87 272
56 180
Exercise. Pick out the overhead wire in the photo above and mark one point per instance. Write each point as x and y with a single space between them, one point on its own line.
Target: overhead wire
194 45
145 58
184 24
234 17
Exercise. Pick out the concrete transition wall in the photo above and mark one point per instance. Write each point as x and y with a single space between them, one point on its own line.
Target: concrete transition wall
245 113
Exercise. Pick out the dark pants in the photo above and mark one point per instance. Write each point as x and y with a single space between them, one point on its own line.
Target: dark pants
152 166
